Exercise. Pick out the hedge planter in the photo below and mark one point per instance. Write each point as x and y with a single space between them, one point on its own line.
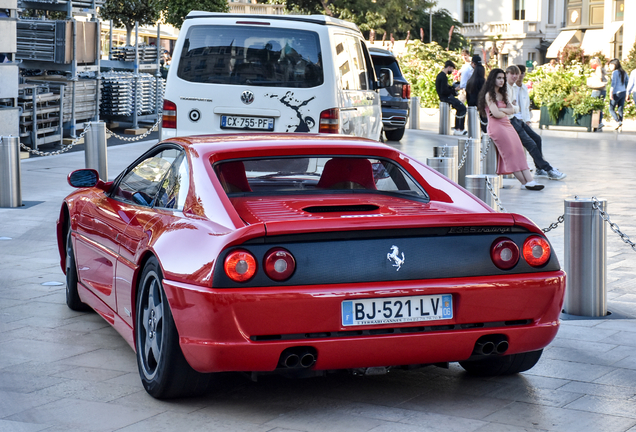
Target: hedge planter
566 118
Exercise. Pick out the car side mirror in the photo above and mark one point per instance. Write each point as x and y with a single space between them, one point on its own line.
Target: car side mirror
87 177
385 79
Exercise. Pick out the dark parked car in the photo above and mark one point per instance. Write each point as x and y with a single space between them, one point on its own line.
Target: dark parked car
395 99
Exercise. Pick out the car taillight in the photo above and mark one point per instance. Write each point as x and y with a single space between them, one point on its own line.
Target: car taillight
279 264
406 91
504 253
240 265
169 119
329 121
536 251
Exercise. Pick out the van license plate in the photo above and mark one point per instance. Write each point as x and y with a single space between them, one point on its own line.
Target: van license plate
250 123
394 310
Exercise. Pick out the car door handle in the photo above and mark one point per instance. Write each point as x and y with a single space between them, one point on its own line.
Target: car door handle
349 109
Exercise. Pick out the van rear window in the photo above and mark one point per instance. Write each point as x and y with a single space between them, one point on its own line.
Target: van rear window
251 55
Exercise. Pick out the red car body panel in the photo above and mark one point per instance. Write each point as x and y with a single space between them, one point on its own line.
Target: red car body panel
217 326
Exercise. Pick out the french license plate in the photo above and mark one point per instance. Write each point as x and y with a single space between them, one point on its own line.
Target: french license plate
394 310
250 123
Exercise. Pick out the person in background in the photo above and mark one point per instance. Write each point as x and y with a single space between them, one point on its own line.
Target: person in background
520 122
631 86
511 159
473 87
618 92
465 73
598 83
447 93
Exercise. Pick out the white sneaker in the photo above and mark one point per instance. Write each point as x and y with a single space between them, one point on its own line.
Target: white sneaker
457 132
555 174
532 185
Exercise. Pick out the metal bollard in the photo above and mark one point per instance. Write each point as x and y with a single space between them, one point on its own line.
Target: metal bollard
448 151
444 118
476 184
585 258
414 120
10 174
444 165
489 164
95 151
472 160
473 122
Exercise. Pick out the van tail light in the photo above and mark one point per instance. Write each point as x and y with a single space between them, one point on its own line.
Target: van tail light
330 121
406 91
504 253
279 264
536 251
240 265
169 120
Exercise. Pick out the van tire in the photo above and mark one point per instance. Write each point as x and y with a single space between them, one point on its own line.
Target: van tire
394 135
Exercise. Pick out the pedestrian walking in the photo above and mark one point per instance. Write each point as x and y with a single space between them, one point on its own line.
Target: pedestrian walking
631 86
618 92
598 83
447 93
465 73
473 87
521 123
511 159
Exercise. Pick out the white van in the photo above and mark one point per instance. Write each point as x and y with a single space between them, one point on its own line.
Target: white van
279 73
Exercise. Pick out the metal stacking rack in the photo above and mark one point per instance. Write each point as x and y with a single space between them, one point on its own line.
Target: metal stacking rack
67 46
124 96
9 71
40 120
138 58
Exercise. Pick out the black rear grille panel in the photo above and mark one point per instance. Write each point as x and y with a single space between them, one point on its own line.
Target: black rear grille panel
388 331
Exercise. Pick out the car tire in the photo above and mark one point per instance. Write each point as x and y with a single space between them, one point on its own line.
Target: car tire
502 365
163 369
394 135
73 300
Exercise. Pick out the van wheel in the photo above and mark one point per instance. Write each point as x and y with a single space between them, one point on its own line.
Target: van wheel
163 369
502 365
394 135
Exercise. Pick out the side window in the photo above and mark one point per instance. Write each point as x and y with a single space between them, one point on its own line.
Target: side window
347 62
143 182
370 70
174 186
359 61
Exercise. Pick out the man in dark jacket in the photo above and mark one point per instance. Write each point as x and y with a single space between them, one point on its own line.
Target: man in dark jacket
447 94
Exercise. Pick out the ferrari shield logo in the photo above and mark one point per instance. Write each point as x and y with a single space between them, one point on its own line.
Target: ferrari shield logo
394 256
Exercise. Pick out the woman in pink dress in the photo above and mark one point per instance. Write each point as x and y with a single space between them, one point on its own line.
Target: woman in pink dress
493 102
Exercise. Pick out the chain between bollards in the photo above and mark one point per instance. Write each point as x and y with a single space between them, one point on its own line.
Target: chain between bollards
463 159
62 150
495 197
137 138
596 206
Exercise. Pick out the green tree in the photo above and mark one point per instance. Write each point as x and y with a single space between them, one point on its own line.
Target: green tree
175 11
442 23
630 63
125 13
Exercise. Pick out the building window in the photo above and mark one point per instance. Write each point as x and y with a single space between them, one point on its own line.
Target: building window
550 11
520 9
532 57
596 15
469 11
504 61
619 10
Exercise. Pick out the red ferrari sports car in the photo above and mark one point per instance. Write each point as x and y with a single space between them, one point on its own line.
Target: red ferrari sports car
303 254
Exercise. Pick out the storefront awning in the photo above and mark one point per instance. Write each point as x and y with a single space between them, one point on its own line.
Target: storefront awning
595 41
564 38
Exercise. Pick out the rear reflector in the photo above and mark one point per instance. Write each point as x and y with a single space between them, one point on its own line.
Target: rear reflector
240 265
169 120
329 121
504 253
536 251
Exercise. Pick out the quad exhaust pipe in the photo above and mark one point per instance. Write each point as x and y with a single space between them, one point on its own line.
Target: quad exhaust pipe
491 345
298 358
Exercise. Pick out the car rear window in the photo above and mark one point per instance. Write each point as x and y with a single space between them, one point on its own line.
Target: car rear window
251 55
305 175
380 62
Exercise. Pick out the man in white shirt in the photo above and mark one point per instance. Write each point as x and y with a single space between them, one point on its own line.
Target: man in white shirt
466 71
520 120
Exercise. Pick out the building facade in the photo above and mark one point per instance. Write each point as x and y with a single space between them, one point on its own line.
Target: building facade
522 31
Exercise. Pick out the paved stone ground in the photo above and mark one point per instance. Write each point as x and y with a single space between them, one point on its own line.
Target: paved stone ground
67 371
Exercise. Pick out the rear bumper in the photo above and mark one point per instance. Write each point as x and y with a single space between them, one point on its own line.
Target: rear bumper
394 118
246 330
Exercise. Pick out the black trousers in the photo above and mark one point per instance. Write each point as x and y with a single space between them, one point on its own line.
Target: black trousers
532 142
460 111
